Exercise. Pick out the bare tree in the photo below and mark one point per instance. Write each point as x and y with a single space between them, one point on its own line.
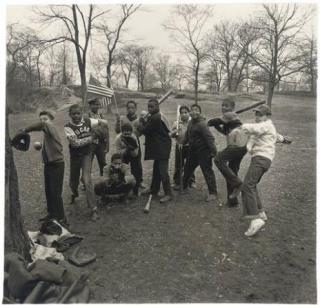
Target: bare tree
276 50
112 35
126 62
142 62
165 72
309 61
187 25
78 28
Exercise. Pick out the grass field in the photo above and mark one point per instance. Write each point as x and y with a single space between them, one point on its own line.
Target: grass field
189 250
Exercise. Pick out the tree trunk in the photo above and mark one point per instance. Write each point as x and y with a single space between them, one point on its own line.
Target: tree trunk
83 86
196 81
271 86
16 238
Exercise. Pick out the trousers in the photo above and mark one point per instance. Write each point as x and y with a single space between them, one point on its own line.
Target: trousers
160 175
228 162
99 150
203 159
53 182
252 204
181 155
82 163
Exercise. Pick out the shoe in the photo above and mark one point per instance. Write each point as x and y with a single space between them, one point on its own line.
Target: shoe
176 187
165 199
186 191
94 214
142 186
193 186
255 226
263 216
232 203
236 192
213 198
73 198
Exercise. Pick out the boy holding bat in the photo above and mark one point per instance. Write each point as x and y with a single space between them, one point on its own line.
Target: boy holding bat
228 160
261 146
126 143
156 130
118 180
78 133
178 132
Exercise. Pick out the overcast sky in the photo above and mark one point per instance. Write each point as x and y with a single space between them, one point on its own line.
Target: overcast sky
145 26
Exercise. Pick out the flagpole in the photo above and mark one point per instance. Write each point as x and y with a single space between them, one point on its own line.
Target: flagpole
114 95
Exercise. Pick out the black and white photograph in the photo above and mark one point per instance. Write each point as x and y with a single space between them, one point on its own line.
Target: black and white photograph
160 153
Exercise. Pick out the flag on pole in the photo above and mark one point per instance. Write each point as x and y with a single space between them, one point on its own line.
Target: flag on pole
95 87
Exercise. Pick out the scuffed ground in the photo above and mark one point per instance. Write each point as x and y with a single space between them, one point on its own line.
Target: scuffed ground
189 250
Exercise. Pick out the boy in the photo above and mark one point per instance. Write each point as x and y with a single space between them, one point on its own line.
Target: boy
182 150
126 144
78 132
228 160
155 127
201 151
53 160
100 135
132 119
118 180
261 146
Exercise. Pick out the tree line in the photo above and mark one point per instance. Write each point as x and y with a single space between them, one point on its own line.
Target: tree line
262 52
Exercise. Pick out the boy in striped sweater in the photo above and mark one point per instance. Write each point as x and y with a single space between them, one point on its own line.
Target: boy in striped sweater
78 132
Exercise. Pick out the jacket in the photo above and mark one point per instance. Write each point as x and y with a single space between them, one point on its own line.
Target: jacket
158 141
200 138
262 140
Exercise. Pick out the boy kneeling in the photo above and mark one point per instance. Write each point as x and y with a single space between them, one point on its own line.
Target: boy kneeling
118 181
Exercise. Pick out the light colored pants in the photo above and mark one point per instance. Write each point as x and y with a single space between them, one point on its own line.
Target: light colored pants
77 164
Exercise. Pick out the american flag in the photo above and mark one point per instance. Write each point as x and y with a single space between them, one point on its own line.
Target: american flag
95 87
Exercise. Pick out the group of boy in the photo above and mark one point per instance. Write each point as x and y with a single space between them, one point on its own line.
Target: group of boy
88 135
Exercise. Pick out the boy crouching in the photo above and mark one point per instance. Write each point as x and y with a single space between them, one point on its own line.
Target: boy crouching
118 179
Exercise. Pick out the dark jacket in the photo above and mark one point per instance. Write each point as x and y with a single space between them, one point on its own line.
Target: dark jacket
200 138
224 127
158 141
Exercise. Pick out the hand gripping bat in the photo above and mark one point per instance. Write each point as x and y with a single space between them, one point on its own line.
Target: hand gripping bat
250 107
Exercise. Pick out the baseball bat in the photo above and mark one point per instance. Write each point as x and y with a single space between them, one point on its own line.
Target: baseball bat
147 207
250 107
163 98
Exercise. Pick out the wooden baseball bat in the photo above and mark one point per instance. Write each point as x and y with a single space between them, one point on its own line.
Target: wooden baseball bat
147 207
250 107
163 98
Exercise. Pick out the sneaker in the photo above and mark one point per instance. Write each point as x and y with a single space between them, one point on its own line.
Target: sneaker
236 192
263 216
213 198
232 203
165 199
45 218
255 226
193 185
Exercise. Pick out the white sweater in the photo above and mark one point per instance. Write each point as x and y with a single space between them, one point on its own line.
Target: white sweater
262 140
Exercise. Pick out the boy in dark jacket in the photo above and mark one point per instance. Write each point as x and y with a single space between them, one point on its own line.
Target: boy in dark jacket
202 150
157 147
53 160
228 160
100 135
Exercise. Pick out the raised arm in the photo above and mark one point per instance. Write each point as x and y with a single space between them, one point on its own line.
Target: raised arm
73 139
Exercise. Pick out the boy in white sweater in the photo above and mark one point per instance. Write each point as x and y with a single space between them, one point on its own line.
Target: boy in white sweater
261 145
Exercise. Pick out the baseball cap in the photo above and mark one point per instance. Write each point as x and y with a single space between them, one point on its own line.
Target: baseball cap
93 100
263 109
